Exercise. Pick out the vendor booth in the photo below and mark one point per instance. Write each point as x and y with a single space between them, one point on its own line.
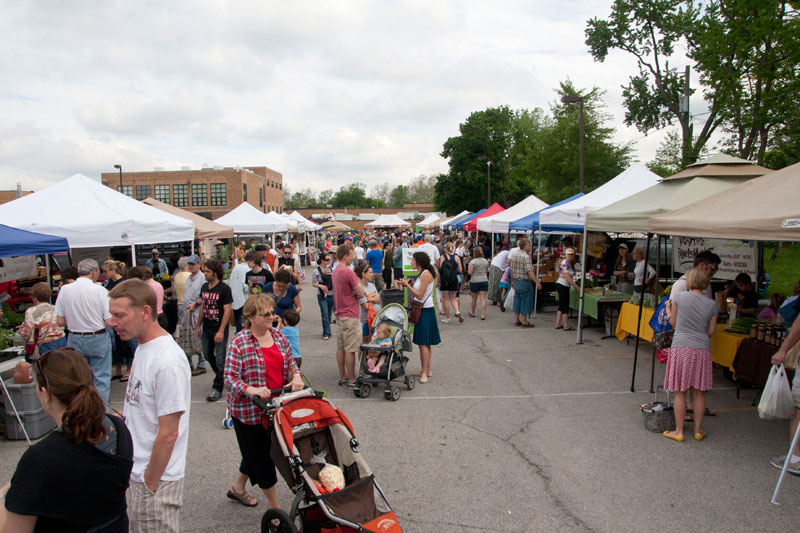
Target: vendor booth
388 221
247 220
203 227
472 224
500 222
460 224
448 223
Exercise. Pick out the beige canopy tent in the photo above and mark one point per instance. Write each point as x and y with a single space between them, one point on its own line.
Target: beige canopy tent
333 225
721 165
765 209
203 227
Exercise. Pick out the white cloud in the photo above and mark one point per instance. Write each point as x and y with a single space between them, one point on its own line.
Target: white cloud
325 92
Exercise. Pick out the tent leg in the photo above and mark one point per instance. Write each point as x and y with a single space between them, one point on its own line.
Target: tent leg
192 247
535 290
14 408
579 339
658 263
785 466
639 321
133 255
48 266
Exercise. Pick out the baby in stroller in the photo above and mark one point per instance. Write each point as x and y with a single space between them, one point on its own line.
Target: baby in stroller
382 337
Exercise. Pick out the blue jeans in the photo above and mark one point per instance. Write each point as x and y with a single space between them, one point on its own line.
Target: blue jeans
52 345
215 353
97 351
326 310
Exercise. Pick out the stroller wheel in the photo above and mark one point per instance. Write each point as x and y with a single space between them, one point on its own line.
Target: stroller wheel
357 392
277 521
392 393
365 390
410 382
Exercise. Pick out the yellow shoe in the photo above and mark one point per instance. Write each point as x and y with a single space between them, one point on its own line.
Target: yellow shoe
700 436
676 438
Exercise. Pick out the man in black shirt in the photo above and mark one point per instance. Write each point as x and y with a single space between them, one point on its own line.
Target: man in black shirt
744 295
258 276
216 309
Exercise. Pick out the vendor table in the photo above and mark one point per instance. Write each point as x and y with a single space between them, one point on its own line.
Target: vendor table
753 361
724 344
594 300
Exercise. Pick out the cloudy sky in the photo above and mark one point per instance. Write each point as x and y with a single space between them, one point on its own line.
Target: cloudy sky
326 92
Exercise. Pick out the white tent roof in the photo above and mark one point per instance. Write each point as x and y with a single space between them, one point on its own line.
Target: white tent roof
572 215
304 223
430 219
247 219
444 223
388 221
90 215
499 223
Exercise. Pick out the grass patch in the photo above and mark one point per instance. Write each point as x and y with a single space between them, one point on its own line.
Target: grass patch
784 273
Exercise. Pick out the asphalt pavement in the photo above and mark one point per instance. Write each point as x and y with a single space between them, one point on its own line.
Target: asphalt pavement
517 430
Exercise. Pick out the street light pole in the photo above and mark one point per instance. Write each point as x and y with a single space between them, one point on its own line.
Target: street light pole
488 184
120 176
577 100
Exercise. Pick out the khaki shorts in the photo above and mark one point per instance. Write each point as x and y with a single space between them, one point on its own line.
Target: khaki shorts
348 334
796 388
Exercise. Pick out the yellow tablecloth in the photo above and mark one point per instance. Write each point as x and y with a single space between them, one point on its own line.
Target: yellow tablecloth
724 345
626 324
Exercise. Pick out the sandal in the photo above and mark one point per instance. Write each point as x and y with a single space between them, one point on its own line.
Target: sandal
483 318
125 378
343 382
325 338
517 324
558 327
470 314
528 325
243 498
568 328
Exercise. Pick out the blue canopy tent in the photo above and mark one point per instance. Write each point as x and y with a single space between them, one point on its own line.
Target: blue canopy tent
460 223
15 242
531 222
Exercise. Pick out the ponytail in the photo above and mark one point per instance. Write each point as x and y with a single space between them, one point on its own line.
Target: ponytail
66 376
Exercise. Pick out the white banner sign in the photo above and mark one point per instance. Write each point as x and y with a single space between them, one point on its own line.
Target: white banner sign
737 256
17 267
408 252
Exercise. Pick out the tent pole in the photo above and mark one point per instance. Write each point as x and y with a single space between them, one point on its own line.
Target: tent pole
49 274
538 259
579 340
655 287
639 321
492 244
192 247
133 255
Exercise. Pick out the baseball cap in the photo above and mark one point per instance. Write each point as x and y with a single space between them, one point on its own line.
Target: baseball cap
623 245
372 242
570 251
194 258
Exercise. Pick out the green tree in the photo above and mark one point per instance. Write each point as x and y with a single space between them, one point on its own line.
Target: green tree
668 159
650 31
353 195
325 197
747 53
299 200
553 157
399 196
381 192
420 189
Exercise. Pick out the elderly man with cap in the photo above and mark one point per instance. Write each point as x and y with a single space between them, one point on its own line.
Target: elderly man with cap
157 265
82 308
185 332
222 254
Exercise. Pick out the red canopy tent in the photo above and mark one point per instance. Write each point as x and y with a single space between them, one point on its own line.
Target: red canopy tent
472 225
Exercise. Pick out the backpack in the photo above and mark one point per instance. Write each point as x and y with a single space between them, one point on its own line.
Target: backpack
449 272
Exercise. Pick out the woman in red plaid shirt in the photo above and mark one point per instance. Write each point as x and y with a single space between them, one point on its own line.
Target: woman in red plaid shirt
259 358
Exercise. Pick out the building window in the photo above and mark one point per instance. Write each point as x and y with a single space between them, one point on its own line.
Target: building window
244 192
127 190
199 194
260 197
180 195
142 192
162 193
219 195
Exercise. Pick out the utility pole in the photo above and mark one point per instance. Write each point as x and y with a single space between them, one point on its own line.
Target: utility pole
488 184
683 108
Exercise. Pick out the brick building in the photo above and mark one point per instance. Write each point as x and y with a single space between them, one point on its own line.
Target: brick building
7 196
209 192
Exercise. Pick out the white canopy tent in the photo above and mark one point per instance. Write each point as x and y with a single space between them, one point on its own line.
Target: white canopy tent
572 215
428 220
91 215
306 224
445 223
499 223
388 221
246 219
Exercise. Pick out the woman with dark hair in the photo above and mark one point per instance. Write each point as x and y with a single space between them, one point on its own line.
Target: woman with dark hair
426 331
388 263
322 280
284 292
366 277
75 478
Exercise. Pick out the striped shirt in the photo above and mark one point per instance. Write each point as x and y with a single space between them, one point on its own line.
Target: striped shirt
244 367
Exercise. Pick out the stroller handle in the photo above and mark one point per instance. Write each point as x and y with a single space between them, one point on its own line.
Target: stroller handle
265 404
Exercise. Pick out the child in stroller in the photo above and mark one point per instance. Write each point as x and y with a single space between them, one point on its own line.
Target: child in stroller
382 361
382 337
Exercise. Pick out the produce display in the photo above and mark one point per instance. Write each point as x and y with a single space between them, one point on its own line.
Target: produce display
742 325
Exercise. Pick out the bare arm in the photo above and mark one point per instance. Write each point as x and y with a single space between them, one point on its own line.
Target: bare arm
297 305
62 321
672 313
791 340
712 326
223 325
358 290
162 449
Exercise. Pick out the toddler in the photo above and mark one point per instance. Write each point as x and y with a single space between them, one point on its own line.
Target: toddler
382 337
292 334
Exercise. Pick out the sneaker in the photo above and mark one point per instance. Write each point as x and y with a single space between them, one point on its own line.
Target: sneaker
199 371
445 321
214 395
460 317
778 461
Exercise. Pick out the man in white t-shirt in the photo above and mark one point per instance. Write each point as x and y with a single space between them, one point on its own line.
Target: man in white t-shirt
708 261
156 410
359 251
82 308
427 245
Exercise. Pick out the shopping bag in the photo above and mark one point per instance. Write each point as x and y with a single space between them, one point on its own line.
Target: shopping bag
776 400
509 303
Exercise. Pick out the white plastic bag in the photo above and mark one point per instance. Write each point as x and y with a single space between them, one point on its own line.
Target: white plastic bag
776 400
509 303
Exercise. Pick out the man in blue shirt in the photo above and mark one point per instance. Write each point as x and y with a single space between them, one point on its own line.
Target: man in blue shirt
157 265
375 259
